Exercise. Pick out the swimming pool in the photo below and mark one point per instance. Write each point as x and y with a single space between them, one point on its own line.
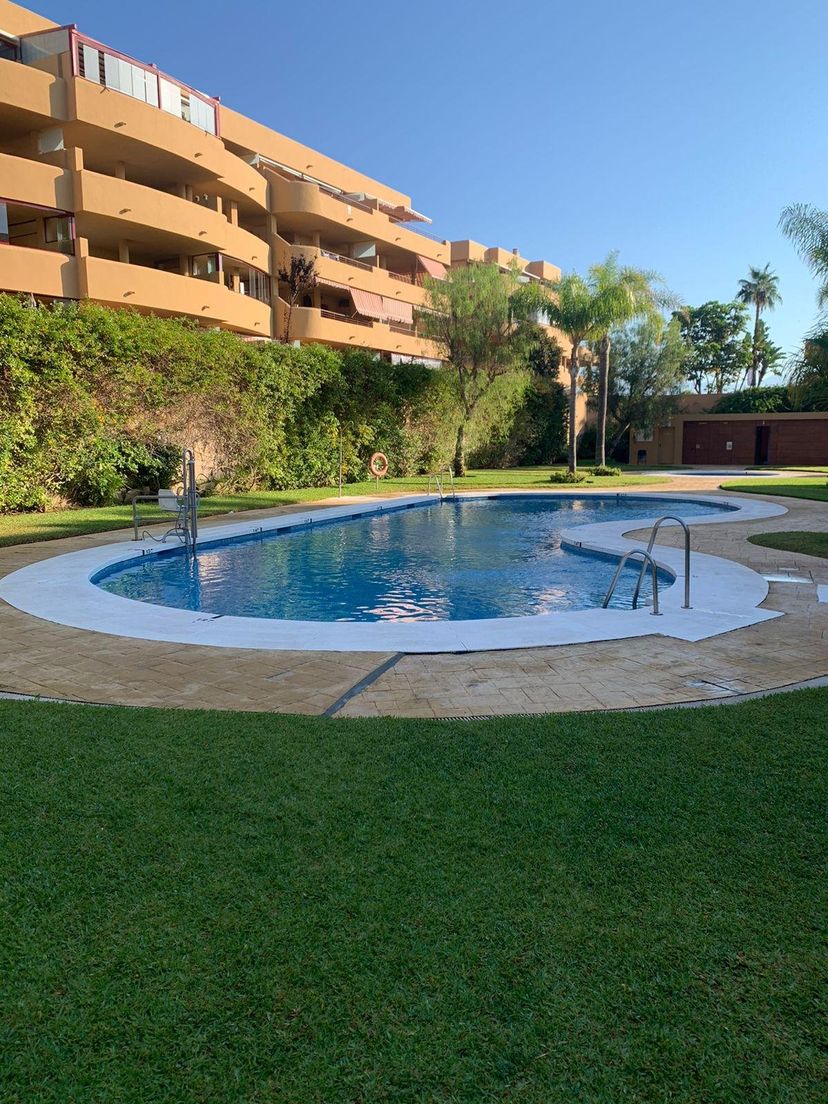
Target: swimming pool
726 595
464 560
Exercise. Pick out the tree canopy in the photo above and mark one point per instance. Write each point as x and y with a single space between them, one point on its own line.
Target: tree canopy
718 350
482 322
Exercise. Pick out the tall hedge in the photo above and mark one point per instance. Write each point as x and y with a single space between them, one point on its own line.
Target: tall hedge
94 401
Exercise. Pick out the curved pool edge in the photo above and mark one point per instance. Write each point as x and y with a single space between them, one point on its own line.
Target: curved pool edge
725 594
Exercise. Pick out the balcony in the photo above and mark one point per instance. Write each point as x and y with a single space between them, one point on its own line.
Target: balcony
138 111
341 271
40 272
35 183
107 206
309 324
30 99
166 293
303 206
99 64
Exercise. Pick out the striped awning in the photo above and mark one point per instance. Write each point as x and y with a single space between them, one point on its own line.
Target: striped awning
369 305
397 311
433 268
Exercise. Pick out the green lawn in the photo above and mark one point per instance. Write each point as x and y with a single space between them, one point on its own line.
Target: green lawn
27 528
795 488
205 907
811 544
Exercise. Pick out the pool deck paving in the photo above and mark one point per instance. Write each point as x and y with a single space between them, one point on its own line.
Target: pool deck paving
40 658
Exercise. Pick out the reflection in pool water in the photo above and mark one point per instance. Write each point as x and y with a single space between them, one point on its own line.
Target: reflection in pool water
465 560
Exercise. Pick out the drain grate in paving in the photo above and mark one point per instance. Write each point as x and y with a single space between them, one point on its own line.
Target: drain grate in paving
707 684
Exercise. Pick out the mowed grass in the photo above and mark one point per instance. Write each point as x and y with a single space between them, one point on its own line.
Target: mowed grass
810 544
251 908
28 528
806 487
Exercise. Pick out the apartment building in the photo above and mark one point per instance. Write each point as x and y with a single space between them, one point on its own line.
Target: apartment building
121 184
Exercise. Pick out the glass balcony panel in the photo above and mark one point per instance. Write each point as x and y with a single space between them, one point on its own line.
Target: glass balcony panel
90 63
35 48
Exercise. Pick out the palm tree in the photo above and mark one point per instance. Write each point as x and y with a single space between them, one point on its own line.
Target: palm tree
807 227
622 294
576 311
761 290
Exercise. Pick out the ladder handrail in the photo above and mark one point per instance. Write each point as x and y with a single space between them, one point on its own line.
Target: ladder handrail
437 479
450 473
651 542
646 559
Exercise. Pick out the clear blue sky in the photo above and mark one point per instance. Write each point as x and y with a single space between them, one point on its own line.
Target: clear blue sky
672 132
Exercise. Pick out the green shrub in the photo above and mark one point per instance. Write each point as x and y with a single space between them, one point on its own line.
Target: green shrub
568 476
605 470
755 400
94 402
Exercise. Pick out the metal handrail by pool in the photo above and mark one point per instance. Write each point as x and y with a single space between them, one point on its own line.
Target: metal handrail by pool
647 559
655 529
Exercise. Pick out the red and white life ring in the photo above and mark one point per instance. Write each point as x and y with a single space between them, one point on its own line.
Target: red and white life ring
378 465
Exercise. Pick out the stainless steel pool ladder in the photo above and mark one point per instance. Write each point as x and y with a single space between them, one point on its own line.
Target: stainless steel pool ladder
647 558
437 479
184 506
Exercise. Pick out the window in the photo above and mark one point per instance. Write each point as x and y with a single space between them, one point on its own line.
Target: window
4 223
36 47
644 434
143 83
58 229
205 265
8 49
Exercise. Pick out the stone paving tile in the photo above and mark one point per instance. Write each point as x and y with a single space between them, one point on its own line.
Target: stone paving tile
37 657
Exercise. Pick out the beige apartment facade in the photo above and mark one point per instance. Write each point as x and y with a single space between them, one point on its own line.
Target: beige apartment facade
122 185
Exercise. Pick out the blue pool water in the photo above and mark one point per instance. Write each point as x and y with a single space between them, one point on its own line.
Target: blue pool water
486 557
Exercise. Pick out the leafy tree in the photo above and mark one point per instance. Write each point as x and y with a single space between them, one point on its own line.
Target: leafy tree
480 318
646 374
769 355
761 290
718 351
622 294
809 374
300 279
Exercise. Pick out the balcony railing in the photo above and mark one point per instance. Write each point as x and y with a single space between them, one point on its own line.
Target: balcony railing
416 229
101 65
338 257
346 318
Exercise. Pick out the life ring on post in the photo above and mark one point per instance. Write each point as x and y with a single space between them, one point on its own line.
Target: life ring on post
378 465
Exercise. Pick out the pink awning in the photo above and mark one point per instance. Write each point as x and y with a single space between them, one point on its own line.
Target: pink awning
397 311
369 305
434 268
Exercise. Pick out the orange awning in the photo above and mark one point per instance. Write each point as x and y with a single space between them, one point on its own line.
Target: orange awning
397 311
434 268
369 305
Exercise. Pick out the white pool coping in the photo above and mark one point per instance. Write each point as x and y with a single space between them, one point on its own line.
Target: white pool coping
725 595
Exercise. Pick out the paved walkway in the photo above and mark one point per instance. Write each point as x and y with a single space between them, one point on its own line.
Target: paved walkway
41 658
